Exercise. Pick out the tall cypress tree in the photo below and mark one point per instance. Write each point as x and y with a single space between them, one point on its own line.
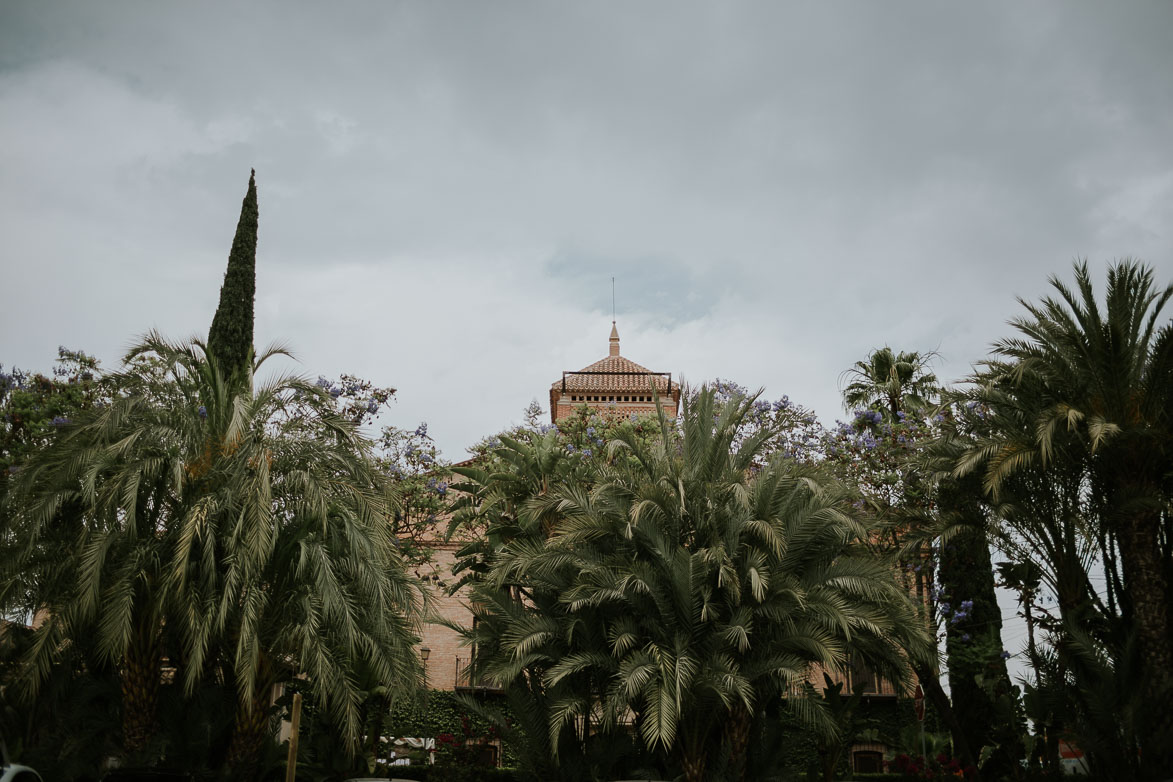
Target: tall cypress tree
983 697
230 340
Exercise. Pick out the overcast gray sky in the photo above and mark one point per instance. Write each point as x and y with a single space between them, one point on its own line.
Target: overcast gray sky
446 190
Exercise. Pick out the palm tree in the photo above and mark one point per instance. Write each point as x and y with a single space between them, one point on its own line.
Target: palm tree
522 628
240 531
691 591
891 383
1100 386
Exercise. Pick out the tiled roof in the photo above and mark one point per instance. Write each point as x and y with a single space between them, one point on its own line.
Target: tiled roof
633 377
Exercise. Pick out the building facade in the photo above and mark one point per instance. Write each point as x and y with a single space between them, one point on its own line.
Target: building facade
615 385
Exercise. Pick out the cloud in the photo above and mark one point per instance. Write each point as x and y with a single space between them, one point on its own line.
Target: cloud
446 190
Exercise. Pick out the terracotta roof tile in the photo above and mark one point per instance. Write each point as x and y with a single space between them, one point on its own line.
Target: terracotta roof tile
633 377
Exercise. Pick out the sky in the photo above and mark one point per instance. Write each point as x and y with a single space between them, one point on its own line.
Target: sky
447 189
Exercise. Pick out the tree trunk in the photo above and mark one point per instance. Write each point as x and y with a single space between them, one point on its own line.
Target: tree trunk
693 764
737 729
248 734
252 724
1148 590
140 688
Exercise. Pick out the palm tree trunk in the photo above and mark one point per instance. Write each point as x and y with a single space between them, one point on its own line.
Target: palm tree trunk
694 746
252 724
248 734
692 762
737 728
1148 589
140 688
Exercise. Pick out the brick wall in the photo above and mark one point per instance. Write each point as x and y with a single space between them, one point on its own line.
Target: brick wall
443 643
566 405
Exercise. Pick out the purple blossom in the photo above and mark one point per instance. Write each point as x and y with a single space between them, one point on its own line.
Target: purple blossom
203 411
60 421
1005 655
322 382
586 451
421 430
965 636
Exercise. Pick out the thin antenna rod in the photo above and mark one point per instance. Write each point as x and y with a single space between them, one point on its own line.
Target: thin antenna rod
612 299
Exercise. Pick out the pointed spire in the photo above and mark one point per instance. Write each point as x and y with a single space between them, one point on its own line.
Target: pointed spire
614 340
230 340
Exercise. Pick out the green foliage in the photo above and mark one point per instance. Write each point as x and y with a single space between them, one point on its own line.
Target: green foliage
669 581
33 405
230 340
1068 427
891 383
188 503
987 703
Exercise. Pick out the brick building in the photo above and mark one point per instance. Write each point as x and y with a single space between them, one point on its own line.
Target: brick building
613 384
